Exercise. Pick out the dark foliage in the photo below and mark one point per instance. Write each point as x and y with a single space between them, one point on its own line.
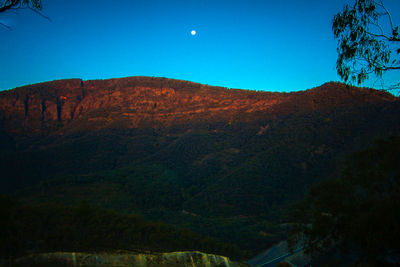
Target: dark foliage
12 4
44 228
357 214
364 45
34 5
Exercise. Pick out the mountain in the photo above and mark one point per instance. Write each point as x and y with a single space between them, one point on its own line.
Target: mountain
223 162
140 102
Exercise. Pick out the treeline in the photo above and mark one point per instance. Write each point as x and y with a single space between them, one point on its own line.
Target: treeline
30 229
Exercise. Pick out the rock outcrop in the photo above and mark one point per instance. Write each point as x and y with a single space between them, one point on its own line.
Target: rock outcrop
157 102
173 259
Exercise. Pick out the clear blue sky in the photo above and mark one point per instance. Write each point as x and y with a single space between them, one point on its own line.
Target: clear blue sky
269 45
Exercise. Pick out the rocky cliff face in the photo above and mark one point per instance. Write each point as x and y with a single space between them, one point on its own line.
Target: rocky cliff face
157 102
173 259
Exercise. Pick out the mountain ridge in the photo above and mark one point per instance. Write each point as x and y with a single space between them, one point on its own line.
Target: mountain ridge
159 102
222 162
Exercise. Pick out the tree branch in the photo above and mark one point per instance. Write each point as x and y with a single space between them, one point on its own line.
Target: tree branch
13 5
5 25
378 26
390 68
365 46
380 35
387 13
40 14
7 6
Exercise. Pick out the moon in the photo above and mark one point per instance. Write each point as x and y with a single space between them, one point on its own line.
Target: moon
193 32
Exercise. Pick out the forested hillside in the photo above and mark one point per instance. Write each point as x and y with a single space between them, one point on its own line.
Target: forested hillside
225 163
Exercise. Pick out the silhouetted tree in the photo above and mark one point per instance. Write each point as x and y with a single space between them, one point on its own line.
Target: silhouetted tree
14 4
368 42
357 214
34 5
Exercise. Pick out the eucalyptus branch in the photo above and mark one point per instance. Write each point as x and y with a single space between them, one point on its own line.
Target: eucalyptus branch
364 62
390 68
394 87
364 45
40 14
387 13
20 4
13 5
6 26
379 35
378 26
6 7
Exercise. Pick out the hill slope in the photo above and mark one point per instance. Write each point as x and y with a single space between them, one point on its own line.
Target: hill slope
220 161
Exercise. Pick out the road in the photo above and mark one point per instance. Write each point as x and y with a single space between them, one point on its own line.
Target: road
272 262
273 256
